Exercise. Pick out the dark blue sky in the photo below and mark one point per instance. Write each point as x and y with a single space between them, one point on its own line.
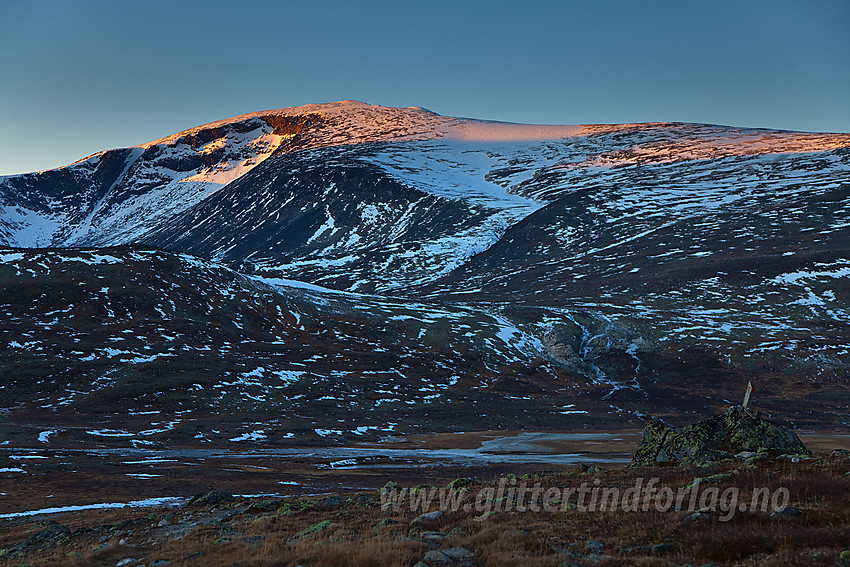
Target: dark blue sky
79 77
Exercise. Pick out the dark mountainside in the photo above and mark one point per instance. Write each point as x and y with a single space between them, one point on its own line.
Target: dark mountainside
343 272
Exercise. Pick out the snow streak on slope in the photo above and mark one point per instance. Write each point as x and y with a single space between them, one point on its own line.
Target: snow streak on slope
171 339
688 142
451 171
154 183
456 171
165 179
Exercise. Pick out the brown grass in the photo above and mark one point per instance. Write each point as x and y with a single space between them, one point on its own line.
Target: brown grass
815 536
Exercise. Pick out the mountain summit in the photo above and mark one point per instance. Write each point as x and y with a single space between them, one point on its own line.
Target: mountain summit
396 196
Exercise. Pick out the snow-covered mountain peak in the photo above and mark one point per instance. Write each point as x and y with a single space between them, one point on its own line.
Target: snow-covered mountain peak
353 122
328 124
495 172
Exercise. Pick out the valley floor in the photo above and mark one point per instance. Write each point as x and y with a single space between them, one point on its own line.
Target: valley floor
315 509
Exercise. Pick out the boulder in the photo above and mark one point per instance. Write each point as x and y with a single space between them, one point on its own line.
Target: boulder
311 531
459 483
453 556
385 522
428 517
52 535
713 439
388 488
211 498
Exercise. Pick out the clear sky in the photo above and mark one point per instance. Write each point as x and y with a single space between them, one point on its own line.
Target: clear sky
81 76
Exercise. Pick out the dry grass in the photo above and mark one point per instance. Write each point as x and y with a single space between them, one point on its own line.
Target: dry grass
232 535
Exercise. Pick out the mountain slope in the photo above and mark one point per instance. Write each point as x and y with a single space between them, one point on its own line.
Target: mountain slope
132 340
537 271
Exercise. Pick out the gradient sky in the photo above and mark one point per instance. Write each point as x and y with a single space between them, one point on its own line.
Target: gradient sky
83 76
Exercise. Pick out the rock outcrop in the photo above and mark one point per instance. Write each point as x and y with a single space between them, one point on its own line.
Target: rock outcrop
713 439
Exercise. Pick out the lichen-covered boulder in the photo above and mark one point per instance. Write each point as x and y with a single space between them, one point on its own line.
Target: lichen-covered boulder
715 438
751 433
311 531
459 483
211 498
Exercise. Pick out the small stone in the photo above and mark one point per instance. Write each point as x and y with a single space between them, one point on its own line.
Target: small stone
388 487
794 458
428 517
459 554
696 516
363 499
638 550
159 563
254 540
448 556
128 561
263 506
419 540
787 512
592 545
436 556
290 508
312 530
386 522
331 502
436 536
459 483
53 534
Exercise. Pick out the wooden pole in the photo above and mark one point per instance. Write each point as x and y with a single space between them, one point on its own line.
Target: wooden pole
747 395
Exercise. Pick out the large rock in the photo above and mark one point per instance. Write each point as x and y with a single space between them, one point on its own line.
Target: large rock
428 518
714 438
453 556
52 535
311 531
211 498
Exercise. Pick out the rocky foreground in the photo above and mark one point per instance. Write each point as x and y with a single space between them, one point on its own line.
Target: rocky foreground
537 519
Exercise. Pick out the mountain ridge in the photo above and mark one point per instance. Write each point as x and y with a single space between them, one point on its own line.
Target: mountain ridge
642 268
